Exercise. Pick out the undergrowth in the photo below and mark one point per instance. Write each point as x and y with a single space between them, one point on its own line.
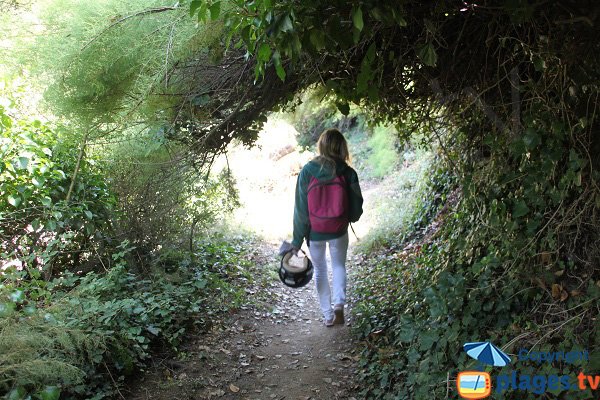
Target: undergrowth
492 254
81 336
392 208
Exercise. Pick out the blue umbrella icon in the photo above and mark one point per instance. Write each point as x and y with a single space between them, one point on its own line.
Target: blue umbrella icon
487 353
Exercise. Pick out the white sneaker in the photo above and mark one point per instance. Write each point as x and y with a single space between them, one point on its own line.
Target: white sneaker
338 314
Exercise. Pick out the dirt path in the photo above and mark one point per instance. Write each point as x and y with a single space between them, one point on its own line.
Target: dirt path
280 350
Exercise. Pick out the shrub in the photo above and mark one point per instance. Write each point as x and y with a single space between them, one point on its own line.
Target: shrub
487 266
83 335
165 202
50 216
315 111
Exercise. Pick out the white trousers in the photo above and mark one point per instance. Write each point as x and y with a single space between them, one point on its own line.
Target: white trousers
338 249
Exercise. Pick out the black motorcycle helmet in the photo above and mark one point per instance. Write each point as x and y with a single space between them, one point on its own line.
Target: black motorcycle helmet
295 271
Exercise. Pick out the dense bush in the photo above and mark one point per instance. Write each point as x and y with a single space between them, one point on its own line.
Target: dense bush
164 199
53 205
81 336
313 112
384 154
91 280
375 149
488 267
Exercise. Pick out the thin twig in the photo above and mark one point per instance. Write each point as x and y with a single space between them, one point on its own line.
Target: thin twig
76 170
113 381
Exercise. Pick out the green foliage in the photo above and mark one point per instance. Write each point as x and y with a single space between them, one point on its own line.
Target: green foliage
512 258
397 200
114 59
276 31
163 198
384 156
485 267
65 330
110 322
41 230
313 111
36 354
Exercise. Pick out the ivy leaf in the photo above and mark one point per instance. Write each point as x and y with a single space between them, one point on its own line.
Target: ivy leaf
355 35
357 19
264 52
88 214
201 284
398 18
51 225
16 394
406 334
14 200
215 10
401 21
17 296
5 121
362 80
344 108
202 11
245 35
278 67
577 179
427 54
429 25
46 201
373 92
539 64
197 101
296 44
317 38
29 310
531 138
366 73
377 14
520 209
194 6
90 229
427 340
23 162
38 181
153 330
286 24
280 71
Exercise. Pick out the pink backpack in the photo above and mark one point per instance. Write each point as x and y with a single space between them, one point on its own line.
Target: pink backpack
328 205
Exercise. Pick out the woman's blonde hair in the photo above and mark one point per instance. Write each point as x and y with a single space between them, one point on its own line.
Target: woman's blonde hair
332 147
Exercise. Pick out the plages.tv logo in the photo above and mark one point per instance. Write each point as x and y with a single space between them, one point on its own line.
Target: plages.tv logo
474 384
478 384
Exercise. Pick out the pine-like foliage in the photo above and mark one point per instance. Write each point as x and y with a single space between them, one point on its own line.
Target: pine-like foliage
36 352
110 61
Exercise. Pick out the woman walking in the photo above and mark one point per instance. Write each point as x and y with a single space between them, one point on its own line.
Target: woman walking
328 198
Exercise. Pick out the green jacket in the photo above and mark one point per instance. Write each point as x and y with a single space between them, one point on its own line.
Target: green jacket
301 221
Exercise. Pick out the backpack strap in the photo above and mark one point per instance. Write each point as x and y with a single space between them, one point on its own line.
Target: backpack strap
351 227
